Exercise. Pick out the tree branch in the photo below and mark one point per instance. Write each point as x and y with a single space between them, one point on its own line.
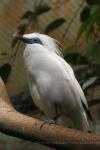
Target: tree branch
19 125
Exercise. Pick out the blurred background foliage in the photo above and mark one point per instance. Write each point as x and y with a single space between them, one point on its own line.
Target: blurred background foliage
76 24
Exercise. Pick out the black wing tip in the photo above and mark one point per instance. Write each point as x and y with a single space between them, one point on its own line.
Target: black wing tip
87 111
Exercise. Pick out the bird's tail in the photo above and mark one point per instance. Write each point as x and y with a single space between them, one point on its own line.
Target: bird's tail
85 125
80 123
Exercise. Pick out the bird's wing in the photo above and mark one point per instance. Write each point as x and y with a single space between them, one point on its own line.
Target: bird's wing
75 85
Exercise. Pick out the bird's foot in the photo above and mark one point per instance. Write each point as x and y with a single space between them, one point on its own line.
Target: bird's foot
47 122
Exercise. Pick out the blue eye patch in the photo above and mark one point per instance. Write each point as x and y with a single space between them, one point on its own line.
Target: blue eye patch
32 40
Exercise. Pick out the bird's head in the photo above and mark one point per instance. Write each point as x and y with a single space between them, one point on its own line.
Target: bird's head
41 39
31 38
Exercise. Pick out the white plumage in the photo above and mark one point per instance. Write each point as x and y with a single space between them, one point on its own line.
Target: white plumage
52 83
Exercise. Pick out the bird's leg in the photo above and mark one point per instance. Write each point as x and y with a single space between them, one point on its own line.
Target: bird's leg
57 109
53 120
47 121
59 113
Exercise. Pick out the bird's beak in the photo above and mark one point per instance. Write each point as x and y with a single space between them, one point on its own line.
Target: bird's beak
24 39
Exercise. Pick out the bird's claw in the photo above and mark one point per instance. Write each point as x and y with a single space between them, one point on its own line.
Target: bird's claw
47 122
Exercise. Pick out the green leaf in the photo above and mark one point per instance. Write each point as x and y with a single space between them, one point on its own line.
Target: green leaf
42 9
76 58
96 13
54 24
28 14
5 71
93 51
85 14
89 82
86 28
98 20
68 49
92 2
94 9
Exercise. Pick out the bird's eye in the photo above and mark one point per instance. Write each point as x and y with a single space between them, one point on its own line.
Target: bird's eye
32 40
36 40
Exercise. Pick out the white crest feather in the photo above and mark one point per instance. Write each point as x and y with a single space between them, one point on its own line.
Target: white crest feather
50 43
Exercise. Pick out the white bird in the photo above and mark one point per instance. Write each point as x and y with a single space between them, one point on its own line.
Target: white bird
52 82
